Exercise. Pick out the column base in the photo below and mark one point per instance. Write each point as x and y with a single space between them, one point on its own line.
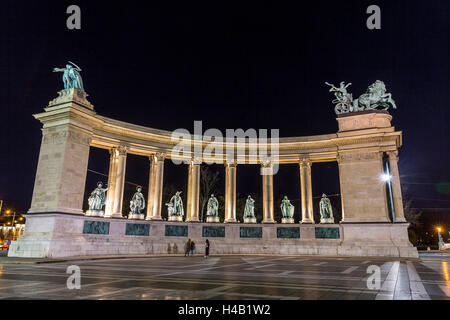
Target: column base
269 221
307 221
231 221
287 220
193 220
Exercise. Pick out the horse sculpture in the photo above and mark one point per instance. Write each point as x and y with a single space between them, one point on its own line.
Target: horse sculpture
375 98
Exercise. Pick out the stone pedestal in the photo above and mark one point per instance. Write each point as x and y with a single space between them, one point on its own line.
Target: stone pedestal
62 235
369 119
249 220
364 197
175 218
287 220
136 216
212 219
326 220
95 213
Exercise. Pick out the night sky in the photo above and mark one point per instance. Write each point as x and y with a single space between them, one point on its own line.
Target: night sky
231 66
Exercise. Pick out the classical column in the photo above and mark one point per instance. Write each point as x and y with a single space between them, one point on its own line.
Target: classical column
193 192
151 187
306 192
267 181
120 182
396 187
340 189
230 192
158 186
113 161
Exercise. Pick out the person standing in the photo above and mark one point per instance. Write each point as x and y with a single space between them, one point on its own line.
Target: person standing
207 249
187 247
192 247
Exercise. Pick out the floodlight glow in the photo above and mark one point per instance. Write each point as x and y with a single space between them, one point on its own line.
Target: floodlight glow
386 177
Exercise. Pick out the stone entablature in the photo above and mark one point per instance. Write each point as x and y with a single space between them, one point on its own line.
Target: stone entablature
109 133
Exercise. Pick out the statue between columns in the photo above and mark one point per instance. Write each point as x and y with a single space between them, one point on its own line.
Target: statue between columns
249 211
326 211
175 208
97 200
137 204
212 211
287 210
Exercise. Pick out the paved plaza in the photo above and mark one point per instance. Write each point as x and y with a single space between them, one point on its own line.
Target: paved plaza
229 277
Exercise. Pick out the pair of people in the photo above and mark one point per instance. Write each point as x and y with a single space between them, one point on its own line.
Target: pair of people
189 247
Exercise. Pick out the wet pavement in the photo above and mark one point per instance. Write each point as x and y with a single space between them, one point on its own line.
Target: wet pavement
232 277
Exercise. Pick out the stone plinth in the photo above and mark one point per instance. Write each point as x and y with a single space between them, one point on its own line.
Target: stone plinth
287 220
370 119
249 220
175 218
136 216
95 213
212 219
327 220
62 235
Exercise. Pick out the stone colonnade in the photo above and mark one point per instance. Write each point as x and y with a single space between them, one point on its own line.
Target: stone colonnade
116 180
72 127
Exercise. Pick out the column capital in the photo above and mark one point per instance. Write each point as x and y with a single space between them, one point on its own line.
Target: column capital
230 163
196 161
393 155
158 156
303 162
122 150
266 163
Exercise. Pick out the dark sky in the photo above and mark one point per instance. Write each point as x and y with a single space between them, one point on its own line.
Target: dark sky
231 66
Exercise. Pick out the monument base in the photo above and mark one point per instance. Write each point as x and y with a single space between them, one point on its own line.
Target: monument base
95 213
53 235
136 216
175 218
287 220
212 219
327 220
249 220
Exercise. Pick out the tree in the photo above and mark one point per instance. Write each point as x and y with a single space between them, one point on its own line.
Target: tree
208 182
411 215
